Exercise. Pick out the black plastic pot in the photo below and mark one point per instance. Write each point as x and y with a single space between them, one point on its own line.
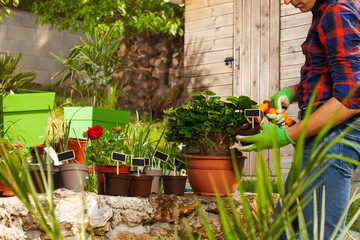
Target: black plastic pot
38 181
116 184
140 186
174 184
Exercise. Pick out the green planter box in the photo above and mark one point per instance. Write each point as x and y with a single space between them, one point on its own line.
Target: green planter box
84 117
24 116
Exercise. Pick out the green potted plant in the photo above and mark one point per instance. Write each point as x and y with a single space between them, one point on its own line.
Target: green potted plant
142 146
23 113
138 137
206 126
149 147
92 66
98 153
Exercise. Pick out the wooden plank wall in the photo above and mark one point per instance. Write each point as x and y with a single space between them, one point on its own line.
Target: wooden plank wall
208 41
293 30
257 26
247 30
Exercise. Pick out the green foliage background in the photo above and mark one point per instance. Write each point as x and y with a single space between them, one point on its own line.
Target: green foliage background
133 16
5 7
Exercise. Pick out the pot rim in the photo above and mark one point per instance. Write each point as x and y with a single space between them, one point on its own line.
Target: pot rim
211 156
171 176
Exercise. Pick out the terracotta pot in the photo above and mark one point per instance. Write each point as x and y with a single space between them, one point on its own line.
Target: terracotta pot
73 175
156 182
174 184
79 146
200 168
4 190
140 186
116 184
37 152
101 169
40 149
247 130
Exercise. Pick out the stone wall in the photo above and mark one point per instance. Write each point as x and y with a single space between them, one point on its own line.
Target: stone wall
21 33
114 217
154 80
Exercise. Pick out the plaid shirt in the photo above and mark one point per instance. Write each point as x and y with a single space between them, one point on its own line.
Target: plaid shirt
332 51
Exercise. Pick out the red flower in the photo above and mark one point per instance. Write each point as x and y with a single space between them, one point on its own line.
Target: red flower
94 132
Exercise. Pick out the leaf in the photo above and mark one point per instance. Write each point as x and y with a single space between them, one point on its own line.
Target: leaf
209 93
7 11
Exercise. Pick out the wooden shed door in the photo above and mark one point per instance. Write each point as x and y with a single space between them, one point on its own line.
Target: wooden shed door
256 51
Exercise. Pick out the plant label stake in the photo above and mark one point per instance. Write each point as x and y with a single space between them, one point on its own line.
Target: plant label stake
161 156
176 164
138 162
66 156
252 113
147 163
118 157
53 155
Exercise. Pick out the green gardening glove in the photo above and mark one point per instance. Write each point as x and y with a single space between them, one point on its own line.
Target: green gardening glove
282 99
265 139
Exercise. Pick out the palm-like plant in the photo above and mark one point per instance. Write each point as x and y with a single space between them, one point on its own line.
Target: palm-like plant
12 77
91 65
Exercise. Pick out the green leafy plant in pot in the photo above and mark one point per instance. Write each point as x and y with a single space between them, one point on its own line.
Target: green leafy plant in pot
206 126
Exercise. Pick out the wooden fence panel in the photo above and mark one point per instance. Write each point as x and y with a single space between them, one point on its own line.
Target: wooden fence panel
256 39
208 41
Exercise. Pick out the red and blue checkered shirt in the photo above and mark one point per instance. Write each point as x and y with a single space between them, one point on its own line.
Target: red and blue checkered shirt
332 51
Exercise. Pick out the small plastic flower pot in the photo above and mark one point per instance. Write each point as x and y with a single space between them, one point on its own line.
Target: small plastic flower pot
140 186
116 184
174 185
73 175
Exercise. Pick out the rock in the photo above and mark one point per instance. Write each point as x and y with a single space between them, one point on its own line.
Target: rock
101 231
132 210
114 217
99 212
132 236
122 229
167 208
